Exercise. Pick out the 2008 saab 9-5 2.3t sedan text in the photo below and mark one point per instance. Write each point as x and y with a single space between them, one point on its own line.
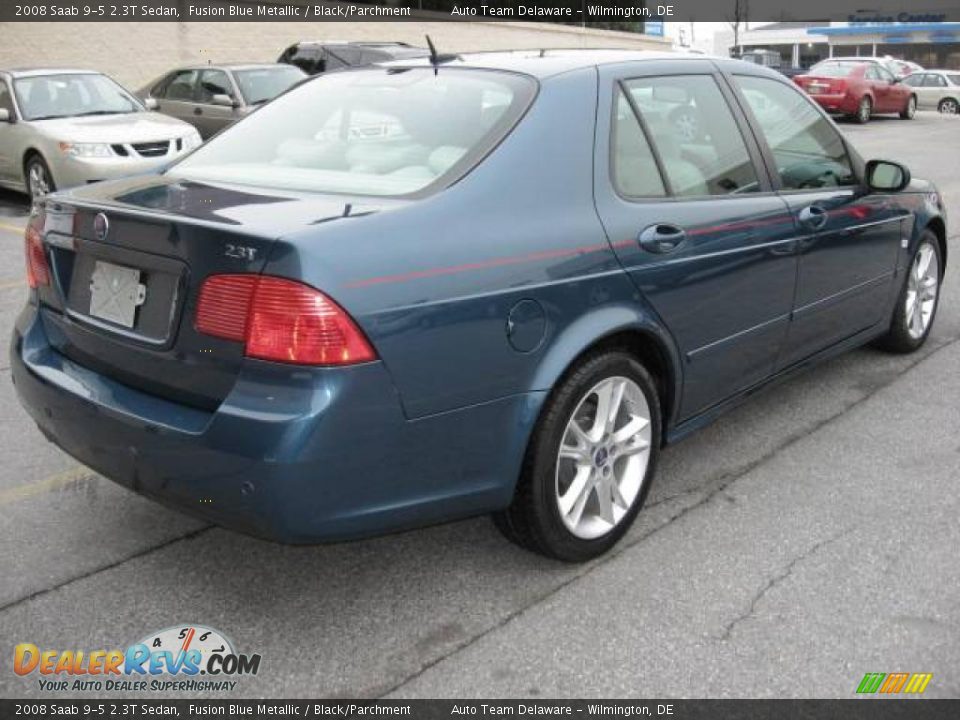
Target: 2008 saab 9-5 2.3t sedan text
450 286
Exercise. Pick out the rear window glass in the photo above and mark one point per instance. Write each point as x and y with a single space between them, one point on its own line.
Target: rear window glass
264 84
385 132
954 78
834 69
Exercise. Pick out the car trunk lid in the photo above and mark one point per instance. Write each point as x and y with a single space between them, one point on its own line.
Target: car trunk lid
128 260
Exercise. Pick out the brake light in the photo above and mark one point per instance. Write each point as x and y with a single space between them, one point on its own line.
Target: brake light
280 320
38 270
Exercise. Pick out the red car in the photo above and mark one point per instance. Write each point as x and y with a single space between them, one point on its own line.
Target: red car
858 89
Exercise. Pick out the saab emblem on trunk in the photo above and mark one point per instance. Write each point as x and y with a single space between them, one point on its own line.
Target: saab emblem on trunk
101 226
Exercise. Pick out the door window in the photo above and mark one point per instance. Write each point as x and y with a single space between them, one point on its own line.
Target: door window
181 86
884 75
934 81
808 151
213 82
915 80
634 169
695 134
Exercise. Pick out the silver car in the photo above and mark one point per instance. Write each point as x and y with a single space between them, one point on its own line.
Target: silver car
210 97
936 90
60 128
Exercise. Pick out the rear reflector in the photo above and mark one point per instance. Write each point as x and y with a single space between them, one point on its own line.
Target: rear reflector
280 320
38 271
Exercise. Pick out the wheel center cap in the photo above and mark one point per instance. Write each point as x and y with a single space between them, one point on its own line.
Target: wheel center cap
601 456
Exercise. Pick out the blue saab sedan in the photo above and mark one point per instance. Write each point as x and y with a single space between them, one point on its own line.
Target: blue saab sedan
497 283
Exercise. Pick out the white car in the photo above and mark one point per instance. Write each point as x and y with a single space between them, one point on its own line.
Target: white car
60 128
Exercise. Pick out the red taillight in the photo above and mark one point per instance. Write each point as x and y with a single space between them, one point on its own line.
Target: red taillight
38 270
224 305
280 320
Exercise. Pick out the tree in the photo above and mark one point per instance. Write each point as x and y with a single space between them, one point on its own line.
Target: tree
741 8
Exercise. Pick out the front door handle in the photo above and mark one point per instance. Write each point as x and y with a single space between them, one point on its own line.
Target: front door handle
198 111
813 216
662 238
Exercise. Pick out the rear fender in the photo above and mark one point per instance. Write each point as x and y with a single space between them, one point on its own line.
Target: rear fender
603 325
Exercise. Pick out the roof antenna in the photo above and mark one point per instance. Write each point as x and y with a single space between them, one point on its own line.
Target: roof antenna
543 52
436 59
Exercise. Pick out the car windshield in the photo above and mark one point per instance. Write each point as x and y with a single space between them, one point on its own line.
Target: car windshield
834 69
43 97
385 131
262 84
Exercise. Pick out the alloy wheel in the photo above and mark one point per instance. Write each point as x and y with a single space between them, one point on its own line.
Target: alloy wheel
603 457
38 182
863 112
922 287
949 106
911 107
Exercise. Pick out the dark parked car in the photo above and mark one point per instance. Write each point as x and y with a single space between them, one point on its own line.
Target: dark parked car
318 57
210 97
407 294
858 89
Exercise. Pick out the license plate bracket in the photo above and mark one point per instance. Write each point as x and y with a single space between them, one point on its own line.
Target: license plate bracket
115 293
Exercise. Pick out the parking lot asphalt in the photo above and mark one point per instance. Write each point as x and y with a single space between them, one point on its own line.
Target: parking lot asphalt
809 537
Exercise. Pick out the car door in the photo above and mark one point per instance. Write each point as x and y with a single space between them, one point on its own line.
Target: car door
880 90
935 88
211 118
7 163
690 213
897 94
916 84
848 238
175 95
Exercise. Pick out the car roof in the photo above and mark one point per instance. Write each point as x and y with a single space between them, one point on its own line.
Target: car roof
230 66
34 72
937 70
543 63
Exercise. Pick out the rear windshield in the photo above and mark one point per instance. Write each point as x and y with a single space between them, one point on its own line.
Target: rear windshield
834 69
262 84
384 131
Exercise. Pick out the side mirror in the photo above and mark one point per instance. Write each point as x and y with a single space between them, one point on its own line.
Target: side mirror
151 104
896 80
223 100
887 176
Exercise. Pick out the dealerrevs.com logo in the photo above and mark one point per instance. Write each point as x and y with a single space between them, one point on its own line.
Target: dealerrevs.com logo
173 659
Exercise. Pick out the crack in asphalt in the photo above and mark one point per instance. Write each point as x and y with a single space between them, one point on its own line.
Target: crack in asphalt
721 483
103 568
775 580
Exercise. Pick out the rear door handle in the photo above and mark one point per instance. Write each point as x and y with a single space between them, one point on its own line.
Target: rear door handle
198 111
813 216
662 238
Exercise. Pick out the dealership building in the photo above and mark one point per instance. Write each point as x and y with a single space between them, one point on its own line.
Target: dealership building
801 44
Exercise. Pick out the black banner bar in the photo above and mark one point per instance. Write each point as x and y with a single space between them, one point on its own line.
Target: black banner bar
574 12
861 709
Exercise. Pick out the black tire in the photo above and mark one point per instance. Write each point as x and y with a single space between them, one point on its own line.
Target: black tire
533 519
36 163
910 110
898 338
864 110
949 106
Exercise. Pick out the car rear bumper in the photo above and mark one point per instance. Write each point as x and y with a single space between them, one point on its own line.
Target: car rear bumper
292 454
839 103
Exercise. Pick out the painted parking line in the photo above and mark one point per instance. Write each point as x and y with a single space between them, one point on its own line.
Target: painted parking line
11 228
45 485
